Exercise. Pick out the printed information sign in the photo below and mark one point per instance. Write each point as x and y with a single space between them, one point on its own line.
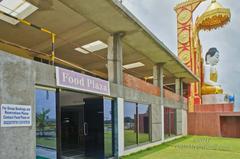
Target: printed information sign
16 115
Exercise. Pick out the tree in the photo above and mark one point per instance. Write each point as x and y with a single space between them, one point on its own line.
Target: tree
42 120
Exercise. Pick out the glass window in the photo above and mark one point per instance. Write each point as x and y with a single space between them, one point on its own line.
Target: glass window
45 124
108 128
130 122
169 122
136 124
143 123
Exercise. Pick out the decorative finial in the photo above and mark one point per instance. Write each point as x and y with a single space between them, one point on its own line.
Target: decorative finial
214 17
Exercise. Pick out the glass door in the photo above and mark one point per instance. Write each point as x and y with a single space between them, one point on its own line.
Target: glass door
72 132
93 110
99 128
86 126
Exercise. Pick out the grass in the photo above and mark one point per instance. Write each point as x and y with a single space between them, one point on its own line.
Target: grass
46 142
38 157
193 147
108 143
130 138
143 137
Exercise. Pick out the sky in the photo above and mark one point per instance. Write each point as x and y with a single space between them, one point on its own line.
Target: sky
46 100
160 18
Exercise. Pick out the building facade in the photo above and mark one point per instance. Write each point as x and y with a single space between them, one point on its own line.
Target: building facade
81 106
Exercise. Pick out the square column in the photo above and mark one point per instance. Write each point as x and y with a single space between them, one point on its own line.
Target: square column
181 113
158 81
115 71
118 112
115 75
179 87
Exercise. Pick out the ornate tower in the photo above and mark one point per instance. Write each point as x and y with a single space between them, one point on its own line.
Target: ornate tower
185 42
189 46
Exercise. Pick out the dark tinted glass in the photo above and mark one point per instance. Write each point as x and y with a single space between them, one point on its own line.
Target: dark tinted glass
169 122
130 122
143 123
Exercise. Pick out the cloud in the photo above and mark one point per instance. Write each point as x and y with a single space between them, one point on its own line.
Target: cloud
160 18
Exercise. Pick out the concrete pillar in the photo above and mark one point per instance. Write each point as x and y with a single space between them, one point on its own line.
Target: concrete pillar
181 113
177 86
115 71
17 79
179 89
158 81
119 127
115 75
179 121
184 122
158 77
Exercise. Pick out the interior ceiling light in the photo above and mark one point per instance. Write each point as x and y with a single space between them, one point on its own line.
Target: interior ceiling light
17 8
133 65
81 50
95 46
150 77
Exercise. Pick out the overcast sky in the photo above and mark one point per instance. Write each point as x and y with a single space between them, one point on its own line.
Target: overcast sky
159 16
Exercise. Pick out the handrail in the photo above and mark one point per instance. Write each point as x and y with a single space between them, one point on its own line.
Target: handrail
34 53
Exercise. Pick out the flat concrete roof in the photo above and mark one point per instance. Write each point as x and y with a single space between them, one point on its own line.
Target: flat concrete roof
113 17
79 22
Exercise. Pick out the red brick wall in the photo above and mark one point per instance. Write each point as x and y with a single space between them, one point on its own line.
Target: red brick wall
225 124
230 126
204 124
214 108
170 95
138 84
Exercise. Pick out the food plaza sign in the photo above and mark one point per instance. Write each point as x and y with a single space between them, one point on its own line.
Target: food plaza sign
16 115
77 81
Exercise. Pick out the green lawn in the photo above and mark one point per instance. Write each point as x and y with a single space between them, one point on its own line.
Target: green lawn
130 138
41 157
46 142
108 143
193 147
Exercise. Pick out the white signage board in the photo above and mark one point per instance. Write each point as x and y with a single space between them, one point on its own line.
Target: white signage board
16 115
74 80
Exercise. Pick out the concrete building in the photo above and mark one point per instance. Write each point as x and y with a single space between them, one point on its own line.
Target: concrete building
108 70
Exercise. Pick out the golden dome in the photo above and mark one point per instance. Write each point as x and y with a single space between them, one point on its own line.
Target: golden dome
215 16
